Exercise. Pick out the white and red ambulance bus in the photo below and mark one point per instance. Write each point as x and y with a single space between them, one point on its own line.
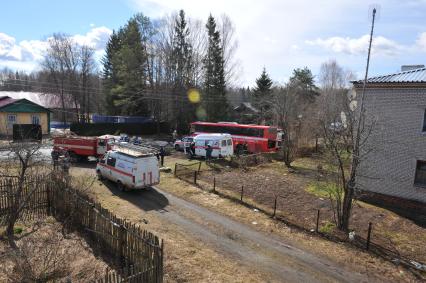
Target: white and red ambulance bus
253 138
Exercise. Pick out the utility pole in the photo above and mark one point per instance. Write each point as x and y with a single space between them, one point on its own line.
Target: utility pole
350 186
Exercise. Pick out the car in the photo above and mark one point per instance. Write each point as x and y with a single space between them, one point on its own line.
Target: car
180 144
137 141
124 138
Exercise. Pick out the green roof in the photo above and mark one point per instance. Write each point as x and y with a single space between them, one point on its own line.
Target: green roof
23 106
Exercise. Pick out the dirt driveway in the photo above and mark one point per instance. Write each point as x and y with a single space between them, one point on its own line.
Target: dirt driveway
251 252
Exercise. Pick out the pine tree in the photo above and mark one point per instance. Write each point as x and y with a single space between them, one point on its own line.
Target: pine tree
182 59
214 77
304 82
109 72
124 71
263 84
263 95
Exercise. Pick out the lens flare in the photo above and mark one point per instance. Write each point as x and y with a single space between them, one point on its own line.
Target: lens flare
193 95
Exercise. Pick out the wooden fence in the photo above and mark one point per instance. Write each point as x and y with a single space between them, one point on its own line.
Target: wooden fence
138 252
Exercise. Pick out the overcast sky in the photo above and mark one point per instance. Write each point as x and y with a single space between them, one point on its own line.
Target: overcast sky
277 34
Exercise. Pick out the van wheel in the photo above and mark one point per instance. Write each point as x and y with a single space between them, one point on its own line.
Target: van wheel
99 174
177 148
120 186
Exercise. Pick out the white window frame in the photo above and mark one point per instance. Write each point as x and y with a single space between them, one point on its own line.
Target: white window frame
10 123
36 116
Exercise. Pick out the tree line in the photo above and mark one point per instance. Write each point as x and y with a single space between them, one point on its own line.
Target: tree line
151 67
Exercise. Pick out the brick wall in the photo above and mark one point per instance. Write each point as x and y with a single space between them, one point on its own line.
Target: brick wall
395 144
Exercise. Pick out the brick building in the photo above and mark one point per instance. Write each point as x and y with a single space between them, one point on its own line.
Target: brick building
393 169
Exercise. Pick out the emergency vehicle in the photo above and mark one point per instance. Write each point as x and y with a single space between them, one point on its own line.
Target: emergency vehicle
79 147
130 167
221 144
251 138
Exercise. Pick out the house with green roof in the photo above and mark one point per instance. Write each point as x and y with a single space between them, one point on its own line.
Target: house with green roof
22 111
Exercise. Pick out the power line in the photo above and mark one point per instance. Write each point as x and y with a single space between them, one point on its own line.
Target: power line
147 94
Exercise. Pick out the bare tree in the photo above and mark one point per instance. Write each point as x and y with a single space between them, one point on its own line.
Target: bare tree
21 162
286 116
87 67
231 64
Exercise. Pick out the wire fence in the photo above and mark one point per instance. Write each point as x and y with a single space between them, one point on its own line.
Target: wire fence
137 253
277 205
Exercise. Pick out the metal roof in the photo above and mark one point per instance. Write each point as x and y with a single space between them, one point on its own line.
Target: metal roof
412 76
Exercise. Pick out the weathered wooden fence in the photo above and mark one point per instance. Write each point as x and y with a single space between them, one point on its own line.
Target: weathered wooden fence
137 251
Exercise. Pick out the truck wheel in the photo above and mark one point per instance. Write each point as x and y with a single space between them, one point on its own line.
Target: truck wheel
120 186
73 157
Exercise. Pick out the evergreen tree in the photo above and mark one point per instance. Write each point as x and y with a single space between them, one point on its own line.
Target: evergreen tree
304 83
124 70
214 77
263 95
109 73
182 59
263 83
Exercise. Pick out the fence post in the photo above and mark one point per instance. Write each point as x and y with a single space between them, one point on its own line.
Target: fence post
275 206
242 192
175 168
318 216
370 226
199 166
195 177
122 238
48 197
214 184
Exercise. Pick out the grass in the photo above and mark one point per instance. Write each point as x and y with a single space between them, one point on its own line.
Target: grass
17 230
327 228
323 189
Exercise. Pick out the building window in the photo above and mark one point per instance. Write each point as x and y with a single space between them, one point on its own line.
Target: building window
35 119
424 121
420 178
11 119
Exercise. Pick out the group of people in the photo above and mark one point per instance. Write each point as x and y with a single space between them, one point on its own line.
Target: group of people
61 160
190 150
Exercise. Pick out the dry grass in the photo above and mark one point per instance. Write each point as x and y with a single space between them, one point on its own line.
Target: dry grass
341 254
186 258
47 255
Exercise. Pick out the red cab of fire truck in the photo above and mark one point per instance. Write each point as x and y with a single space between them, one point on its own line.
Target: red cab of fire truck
80 147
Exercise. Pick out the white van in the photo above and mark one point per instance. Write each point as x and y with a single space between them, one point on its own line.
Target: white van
221 144
131 167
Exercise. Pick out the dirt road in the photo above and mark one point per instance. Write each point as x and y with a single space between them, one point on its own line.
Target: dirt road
287 263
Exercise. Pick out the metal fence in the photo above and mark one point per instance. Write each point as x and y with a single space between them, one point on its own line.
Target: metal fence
274 205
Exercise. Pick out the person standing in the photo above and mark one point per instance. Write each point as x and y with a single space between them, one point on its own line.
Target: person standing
209 151
162 154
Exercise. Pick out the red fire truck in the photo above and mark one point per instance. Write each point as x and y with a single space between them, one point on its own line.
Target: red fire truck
253 138
80 148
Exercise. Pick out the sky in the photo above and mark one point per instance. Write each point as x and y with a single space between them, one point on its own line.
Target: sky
278 35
